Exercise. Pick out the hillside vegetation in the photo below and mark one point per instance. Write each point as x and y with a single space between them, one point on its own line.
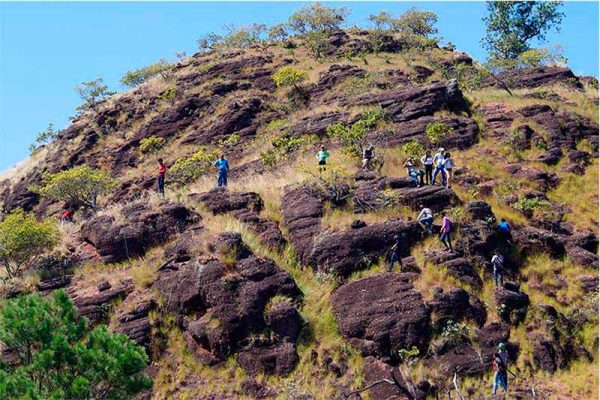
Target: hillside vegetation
270 288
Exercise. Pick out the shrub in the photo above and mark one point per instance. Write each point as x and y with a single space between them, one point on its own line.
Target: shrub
413 149
283 146
23 239
137 77
152 144
278 33
185 170
352 137
92 92
289 76
317 17
46 136
455 333
243 36
436 132
81 185
60 358
169 94
529 205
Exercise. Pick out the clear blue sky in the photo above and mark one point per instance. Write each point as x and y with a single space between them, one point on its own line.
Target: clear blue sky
47 48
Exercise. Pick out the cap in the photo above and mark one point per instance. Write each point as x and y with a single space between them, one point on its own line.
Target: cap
501 346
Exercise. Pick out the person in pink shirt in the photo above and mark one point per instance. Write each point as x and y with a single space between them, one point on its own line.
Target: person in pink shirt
445 232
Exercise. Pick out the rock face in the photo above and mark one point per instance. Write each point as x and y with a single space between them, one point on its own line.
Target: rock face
344 252
534 77
382 314
458 267
222 306
133 318
246 207
141 228
456 305
95 305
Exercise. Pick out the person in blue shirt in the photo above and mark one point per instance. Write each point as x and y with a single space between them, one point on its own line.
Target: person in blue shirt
504 231
223 166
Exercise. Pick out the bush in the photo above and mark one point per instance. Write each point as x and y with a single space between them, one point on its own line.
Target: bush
283 146
436 132
91 93
413 149
455 333
46 136
23 239
289 76
80 185
317 17
137 77
169 95
185 170
59 358
152 144
529 205
352 137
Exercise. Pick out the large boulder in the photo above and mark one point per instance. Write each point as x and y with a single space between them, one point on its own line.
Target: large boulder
139 227
344 252
457 267
456 305
382 314
95 304
435 197
133 318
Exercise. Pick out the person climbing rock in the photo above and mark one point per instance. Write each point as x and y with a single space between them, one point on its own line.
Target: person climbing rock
445 232
66 217
500 367
425 218
413 172
395 253
368 154
498 266
322 157
448 165
504 231
427 161
223 165
162 171
438 162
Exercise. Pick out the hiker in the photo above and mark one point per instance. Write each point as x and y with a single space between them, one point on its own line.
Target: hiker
425 218
438 162
223 166
498 265
66 216
367 158
427 161
413 172
448 165
445 232
162 170
500 367
504 231
322 156
395 254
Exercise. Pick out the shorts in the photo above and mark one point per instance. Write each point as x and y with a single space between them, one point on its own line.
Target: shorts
322 162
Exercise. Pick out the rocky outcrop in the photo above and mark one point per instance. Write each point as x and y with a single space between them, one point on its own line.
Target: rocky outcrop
95 304
382 314
458 267
138 228
133 318
222 306
245 207
435 197
344 252
535 77
456 305
511 303
371 192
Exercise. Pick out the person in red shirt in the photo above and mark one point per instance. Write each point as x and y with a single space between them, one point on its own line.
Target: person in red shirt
162 170
66 216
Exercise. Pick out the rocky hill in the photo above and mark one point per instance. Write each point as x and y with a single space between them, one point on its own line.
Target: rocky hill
277 286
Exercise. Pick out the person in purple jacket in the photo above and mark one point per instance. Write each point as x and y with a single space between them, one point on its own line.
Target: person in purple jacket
445 232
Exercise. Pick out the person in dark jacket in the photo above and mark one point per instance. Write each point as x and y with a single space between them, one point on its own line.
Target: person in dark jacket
395 253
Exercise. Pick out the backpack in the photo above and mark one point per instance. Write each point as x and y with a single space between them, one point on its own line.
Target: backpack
498 264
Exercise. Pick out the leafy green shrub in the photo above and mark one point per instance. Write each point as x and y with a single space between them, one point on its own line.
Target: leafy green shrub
469 77
81 185
528 206
455 333
169 95
240 37
22 239
317 17
407 355
283 146
352 137
45 136
436 132
152 144
185 170
91 93
231 140
413 149
269 158
59 358
289 76
137 77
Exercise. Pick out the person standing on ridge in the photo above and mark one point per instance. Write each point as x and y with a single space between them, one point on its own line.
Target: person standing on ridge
427 161
367 157
448 165
395 253
498 266
223 165
322 157
438 161
500 367
162 171
445 232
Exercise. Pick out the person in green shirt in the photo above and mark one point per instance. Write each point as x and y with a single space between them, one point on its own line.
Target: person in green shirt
322 157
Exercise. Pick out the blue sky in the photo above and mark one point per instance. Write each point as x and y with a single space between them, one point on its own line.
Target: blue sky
47 48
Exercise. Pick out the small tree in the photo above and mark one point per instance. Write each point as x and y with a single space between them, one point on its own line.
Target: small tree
243 36
81 185
211 41
278 33
317 17
22 239
46 136
436 132
92 92
152 144
186 170
353 137
289 76
417 22
141 75
511 25
59 358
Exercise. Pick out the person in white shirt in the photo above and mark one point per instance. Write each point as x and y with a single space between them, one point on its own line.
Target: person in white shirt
498 265
438 162
448 165
427 161
425 218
